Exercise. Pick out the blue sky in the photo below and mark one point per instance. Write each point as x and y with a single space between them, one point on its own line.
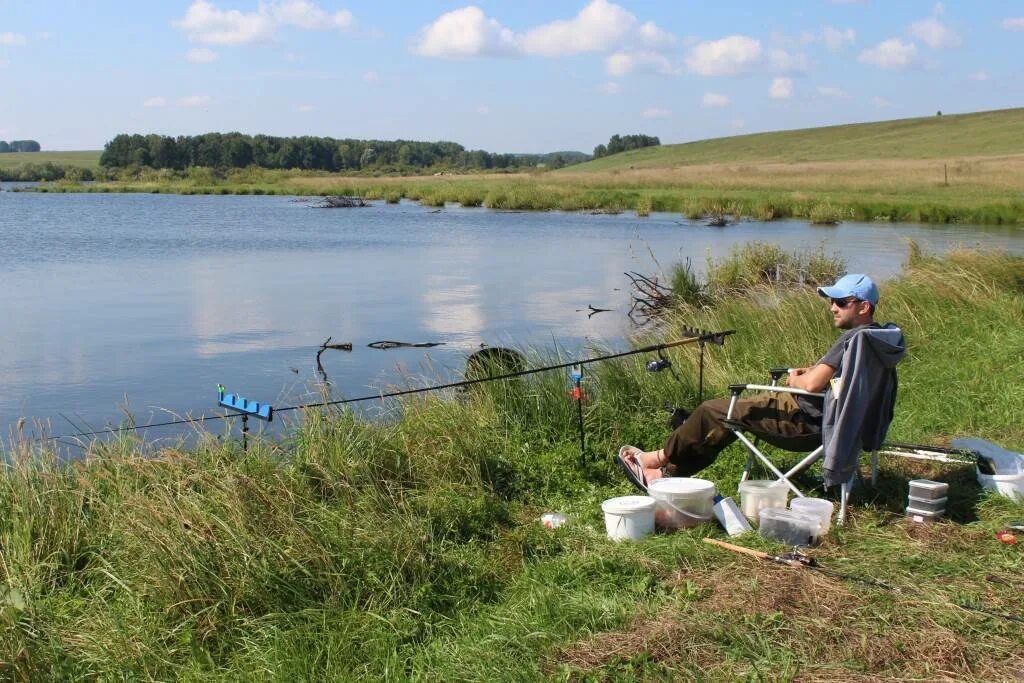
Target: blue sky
524 76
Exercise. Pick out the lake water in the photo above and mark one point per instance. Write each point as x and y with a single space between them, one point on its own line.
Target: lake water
158 298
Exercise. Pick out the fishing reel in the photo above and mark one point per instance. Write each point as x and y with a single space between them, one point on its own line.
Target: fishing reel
660 363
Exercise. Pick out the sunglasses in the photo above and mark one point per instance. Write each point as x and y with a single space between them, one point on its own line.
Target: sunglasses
843 303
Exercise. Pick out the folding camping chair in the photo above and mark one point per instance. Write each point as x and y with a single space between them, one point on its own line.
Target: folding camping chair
811 441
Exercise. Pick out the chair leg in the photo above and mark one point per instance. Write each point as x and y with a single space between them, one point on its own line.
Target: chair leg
844 497
747 467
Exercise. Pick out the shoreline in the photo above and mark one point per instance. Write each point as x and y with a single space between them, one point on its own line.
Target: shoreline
825 206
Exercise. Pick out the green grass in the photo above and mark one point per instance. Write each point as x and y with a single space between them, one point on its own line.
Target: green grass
990 133
410 548
84 159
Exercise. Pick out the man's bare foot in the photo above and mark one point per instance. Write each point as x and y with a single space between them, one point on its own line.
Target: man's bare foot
651 461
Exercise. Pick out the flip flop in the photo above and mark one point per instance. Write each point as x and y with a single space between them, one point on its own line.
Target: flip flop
633 470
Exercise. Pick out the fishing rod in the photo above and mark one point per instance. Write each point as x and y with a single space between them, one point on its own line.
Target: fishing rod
691 336
800 560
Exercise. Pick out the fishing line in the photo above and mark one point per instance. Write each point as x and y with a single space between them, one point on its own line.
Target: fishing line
699 336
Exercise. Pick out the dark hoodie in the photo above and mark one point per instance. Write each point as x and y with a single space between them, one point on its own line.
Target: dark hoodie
859 406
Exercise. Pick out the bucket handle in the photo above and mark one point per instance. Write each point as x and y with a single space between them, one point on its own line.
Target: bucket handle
686 513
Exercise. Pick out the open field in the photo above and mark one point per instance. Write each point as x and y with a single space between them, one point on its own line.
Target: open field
990 133
83 159
410 548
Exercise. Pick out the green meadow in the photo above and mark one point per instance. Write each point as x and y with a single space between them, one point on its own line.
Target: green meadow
410 548
84 159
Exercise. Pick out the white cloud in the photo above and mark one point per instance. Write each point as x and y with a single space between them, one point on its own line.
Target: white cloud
307 15
939 10
1014 24
192 101
725 57
738 124
836 39
781 89
623 63
371 76
8 38
830 91
610 88
205 23
881 102
890 54
934 33
483 110
599 26
152 102
979 76
465 32
713 99
201 55
304 108
781 60
656 113
653 36
4 63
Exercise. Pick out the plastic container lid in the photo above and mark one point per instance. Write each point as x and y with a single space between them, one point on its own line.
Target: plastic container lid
928 501
928 484
759 485
924 513
627 504
788 515
682 486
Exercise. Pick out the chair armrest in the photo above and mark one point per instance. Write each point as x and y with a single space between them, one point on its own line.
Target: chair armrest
777 373
737 389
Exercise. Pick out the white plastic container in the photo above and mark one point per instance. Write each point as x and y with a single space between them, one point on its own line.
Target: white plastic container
817 507
923 516
628 517
1007 467
927 504
926 488
789 527
758 494
682 502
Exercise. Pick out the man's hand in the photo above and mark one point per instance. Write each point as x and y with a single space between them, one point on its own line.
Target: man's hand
814 378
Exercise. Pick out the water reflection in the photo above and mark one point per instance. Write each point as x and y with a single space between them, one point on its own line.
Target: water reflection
161 298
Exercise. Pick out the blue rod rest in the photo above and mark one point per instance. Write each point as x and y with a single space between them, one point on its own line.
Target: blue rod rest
264 411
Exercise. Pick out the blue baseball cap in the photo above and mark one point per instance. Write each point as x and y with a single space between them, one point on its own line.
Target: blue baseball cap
852 284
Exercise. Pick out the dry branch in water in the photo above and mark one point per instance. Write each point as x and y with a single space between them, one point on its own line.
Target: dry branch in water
650 298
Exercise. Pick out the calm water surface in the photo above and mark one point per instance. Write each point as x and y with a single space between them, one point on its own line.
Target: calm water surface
158 298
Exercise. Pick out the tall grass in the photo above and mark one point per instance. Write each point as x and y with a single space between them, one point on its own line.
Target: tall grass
409 548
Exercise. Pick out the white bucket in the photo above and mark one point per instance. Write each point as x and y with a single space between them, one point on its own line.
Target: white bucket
682 502
757 494
1008 479
629 517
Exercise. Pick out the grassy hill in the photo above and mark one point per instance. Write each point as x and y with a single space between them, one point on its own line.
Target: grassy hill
991 133
84 159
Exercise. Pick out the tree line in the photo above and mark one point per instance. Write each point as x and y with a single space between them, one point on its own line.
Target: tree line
236 150
19 146
623 143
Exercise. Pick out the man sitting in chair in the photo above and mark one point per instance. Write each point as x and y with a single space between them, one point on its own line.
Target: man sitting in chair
793 421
